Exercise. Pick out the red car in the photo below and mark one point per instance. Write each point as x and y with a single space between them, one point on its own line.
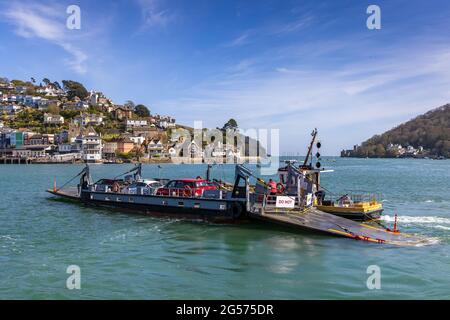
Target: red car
186 188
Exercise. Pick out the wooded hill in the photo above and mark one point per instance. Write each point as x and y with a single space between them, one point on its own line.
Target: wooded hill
430 131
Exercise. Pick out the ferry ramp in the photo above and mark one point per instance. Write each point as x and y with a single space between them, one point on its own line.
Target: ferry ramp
315 220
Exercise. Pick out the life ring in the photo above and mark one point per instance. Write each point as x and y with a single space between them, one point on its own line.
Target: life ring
236 210
280 187
187 191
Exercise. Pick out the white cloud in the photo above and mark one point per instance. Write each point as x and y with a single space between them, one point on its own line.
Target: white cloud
48 23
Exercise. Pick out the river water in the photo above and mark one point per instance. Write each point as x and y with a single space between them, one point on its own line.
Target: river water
124 256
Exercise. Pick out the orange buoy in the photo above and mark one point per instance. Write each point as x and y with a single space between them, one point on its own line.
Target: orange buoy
395 224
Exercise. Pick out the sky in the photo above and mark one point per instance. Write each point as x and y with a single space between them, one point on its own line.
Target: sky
287 65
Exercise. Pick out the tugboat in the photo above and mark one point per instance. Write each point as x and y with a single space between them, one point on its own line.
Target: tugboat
360 207
354 206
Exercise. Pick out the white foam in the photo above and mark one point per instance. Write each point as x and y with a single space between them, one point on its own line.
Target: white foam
418 220
442 227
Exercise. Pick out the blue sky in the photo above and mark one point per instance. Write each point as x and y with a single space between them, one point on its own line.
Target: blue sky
291 65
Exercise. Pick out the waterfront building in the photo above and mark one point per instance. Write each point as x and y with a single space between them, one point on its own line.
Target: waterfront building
125 145
155 148
109 150
91 145
32 151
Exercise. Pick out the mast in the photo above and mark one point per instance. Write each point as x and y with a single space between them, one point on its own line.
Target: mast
314 135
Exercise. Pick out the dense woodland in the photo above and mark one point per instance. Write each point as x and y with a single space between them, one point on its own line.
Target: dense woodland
430 130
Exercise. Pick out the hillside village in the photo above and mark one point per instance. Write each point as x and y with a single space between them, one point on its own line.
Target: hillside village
51 123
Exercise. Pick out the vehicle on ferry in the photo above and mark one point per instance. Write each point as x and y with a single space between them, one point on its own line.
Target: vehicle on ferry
187 187
148 187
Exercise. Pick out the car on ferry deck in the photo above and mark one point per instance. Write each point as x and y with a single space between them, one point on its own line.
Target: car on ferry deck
186 188
147 187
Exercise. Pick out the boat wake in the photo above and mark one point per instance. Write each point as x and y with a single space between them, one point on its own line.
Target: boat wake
432 222
417 220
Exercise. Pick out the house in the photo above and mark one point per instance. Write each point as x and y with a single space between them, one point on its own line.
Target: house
86 119
155 148
91 145
17 138
21 89
50 91
137 139
93 98
109 150
32 151
122 112
41 139
64 148
125 145
145 131
131 123
53 119
10 108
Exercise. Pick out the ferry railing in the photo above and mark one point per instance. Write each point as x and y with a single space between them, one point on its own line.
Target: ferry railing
353 197
268 202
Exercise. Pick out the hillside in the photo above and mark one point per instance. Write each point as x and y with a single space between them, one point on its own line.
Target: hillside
426 135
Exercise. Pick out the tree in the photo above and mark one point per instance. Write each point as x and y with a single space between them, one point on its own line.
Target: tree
74 89
53 109
46 81
57 85
130 104
18 82
142 111
231 124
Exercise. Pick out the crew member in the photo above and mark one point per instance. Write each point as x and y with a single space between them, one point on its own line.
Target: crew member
272 187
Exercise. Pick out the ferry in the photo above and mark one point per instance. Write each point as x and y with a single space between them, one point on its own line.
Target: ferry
296 204
195 199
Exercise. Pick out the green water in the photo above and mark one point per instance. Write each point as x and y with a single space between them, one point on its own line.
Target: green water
125 256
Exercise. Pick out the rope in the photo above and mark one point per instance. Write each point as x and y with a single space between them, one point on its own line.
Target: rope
65 184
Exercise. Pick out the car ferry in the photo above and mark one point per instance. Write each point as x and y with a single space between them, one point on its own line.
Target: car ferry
195 199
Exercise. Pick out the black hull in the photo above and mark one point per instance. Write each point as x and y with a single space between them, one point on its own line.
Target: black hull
232 211
170 212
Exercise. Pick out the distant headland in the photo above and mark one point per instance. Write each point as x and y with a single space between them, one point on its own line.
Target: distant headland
426 136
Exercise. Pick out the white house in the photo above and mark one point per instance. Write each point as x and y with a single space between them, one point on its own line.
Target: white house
91 146
132 123
137 139
53 118
86 119
155 147
38 151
